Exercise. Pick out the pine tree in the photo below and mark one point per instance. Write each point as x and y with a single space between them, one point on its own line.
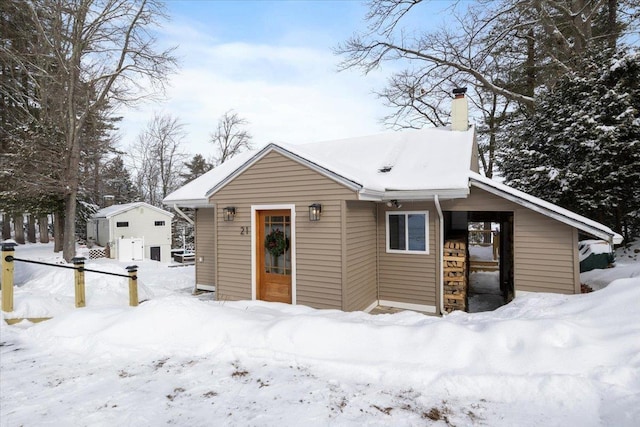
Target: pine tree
581 147
117 182
196 167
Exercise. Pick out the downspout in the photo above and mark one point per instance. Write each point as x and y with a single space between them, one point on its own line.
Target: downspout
440 251
183 215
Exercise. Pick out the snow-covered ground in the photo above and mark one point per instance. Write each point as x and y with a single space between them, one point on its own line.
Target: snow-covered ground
186 360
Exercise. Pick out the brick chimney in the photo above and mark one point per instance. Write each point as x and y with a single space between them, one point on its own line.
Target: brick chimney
109 200
459 110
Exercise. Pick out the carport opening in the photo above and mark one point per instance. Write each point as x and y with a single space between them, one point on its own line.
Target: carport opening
488 239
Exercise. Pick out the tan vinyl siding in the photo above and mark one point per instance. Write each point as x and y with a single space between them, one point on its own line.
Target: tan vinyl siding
277 180
408 278
479 200
545 257
544 254
205 247
361 288
233 263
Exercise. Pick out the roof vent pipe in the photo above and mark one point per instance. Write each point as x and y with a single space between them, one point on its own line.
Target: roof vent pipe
459 110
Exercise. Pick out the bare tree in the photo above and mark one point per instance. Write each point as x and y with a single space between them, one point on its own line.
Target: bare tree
487 37
158 158
504 50
230 137
90 53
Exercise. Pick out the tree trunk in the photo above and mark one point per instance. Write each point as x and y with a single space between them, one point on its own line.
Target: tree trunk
18 228
31 229
69 240
6 226
58 232
530 64
612 23
43 223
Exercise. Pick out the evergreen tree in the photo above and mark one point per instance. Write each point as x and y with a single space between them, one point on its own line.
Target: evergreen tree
581 146
117 182
196 167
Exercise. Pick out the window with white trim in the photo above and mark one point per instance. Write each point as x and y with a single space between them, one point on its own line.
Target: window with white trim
408 232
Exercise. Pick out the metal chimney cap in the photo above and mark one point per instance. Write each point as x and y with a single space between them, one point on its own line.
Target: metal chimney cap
460 90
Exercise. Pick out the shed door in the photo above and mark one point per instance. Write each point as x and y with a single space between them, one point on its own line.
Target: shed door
130 249
274 256
155 253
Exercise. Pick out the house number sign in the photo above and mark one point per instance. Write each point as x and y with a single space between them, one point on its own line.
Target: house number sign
245 231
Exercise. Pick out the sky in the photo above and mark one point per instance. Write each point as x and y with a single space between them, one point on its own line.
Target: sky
273 63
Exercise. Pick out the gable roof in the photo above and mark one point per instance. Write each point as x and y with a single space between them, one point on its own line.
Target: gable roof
549 209
404 165
410 164
114 210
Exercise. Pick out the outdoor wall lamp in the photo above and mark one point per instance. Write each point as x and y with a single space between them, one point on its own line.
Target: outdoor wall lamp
229 213
394 204
314 212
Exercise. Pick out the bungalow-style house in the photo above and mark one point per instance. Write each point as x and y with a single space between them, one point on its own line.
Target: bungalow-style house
356 223
132 231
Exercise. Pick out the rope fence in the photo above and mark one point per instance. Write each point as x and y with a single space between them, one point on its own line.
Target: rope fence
7 265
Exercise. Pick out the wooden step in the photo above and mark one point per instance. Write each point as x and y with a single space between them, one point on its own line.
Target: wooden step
484 266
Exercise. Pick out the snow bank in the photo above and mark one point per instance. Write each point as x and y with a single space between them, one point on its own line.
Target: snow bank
537 335
177 359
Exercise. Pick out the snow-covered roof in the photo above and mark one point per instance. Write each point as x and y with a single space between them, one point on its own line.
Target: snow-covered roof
113 210
194 193
405 165
549 209
410 164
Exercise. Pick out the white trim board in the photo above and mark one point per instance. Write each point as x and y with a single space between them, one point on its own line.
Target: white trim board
347 182
546 208
254 257
371 307
408 306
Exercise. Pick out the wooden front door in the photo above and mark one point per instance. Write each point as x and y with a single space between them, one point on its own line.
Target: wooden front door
274 256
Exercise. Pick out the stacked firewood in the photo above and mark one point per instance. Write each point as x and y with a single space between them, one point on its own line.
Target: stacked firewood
456 275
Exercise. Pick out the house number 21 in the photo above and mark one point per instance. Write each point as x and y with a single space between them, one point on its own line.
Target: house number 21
245 231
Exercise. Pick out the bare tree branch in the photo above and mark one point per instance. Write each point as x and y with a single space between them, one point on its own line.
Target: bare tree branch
230 137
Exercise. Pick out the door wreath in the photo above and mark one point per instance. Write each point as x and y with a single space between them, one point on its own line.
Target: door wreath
276 243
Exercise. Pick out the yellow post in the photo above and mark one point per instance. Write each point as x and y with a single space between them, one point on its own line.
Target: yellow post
133 285
78 263
7 277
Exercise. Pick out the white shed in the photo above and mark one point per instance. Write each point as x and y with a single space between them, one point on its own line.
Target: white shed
132 230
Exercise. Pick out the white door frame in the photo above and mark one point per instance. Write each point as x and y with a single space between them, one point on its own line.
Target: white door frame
254 255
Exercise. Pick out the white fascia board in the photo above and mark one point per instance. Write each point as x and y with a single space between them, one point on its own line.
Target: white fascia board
192 203
574 222
370 195
443 194
137 205
352 185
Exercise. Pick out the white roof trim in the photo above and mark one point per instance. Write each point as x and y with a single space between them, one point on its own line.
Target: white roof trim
129 206
443 194
350 184
370 195
190 203
545 208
